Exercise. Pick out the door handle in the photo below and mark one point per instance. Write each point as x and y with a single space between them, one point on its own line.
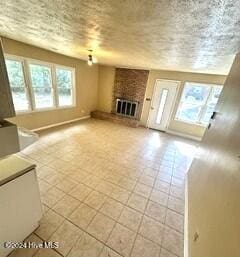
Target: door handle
152 108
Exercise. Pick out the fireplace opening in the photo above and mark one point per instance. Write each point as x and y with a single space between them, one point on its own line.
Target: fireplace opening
126 107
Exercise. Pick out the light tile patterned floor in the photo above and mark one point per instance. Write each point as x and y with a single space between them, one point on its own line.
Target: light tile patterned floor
109 190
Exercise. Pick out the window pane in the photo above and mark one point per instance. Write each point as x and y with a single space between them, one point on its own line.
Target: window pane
17 83
209 111
188 112
42 85
193 99
195 94
64 87
216 91
213 99
162 105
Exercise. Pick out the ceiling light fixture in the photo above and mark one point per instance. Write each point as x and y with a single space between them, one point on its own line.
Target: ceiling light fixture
91 59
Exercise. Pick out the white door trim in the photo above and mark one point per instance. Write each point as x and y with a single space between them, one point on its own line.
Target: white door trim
178 82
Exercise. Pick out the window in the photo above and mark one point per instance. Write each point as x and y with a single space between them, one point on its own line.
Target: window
42 86
198 102
64 86
162 105
211 103
38 86
18 86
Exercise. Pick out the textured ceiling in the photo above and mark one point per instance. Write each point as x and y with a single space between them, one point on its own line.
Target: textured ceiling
186 35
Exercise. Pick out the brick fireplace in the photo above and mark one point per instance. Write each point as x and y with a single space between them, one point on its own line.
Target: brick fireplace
130 86
127 97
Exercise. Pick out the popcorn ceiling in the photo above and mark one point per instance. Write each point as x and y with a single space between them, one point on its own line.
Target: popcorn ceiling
197 36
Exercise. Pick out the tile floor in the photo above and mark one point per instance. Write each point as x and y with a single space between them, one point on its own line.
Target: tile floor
110 191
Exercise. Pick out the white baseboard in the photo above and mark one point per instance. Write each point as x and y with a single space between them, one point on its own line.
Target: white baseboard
61 123
183 135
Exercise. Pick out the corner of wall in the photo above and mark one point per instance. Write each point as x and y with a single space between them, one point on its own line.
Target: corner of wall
106 75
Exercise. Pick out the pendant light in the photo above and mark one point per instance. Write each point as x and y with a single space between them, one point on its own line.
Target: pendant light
91 60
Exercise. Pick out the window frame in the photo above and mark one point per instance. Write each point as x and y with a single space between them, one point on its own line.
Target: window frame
204 106
28 84
57 66
40 63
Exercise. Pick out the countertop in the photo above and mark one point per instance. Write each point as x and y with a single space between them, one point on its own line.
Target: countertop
12 167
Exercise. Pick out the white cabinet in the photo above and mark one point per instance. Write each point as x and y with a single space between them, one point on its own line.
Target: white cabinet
20 205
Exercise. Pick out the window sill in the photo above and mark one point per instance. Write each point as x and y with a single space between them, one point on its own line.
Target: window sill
192 123
19 113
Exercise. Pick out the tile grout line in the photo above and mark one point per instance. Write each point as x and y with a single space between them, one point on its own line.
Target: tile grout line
169 208
83 230
141 221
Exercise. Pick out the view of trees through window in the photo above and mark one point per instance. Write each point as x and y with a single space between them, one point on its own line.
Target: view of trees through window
64 85
17 83
42 85
39 93
198 102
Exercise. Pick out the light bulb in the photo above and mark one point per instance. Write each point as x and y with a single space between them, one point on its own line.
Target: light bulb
89 62
94 59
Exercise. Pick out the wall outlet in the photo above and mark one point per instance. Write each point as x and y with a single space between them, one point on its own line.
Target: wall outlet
195 237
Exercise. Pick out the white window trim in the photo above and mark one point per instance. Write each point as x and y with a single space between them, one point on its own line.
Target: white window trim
191 123
198 123
52 80
28 84
24 69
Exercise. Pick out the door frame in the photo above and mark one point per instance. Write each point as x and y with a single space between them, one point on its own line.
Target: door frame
178 82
